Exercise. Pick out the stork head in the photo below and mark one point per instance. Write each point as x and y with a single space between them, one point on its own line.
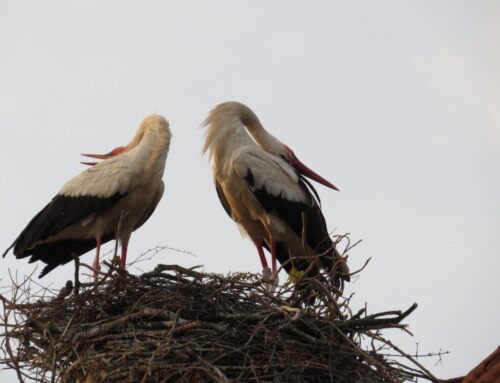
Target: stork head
289 156
153 124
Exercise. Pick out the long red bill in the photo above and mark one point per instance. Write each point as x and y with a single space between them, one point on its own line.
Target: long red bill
309 173
112 153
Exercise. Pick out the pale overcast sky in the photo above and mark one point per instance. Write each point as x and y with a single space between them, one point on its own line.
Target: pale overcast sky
396 103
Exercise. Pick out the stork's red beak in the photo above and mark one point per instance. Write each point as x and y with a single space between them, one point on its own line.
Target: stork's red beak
114 152
309 173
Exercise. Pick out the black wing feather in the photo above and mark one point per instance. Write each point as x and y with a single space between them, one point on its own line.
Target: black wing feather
61 252
311 187
60 213
223 199
317 236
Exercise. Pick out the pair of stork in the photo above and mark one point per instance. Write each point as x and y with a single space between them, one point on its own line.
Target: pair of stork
260 182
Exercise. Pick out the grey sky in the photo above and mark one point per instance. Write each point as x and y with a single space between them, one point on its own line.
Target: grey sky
396 103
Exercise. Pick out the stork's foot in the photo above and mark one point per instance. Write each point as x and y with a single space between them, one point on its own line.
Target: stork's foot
267 275
271 287
270 279
117 265
116 262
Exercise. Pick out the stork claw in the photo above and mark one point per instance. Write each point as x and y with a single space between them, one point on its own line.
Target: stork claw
274 283
267 275
276 279
270 279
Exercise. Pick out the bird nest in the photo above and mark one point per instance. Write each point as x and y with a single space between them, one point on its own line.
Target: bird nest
180 325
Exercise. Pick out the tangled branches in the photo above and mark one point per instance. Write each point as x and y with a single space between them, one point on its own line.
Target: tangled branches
180 325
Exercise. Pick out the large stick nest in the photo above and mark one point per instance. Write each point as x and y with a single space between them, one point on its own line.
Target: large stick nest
180 325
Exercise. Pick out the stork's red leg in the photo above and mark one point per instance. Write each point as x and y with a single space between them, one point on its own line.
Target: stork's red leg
266 272
124 252
272 244
262 257
96 265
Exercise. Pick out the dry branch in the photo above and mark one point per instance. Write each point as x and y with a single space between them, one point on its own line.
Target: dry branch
180 325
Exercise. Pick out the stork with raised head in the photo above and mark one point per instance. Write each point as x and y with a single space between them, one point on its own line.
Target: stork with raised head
262 186
107 201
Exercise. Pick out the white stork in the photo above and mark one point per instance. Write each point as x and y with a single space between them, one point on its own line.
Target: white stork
108 201
262 186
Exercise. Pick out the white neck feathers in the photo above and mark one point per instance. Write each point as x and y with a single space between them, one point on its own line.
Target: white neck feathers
151 143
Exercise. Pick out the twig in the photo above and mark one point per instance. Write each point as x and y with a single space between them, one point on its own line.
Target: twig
179 323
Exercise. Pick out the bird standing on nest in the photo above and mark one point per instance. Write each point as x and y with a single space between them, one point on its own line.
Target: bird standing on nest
262 185
108 201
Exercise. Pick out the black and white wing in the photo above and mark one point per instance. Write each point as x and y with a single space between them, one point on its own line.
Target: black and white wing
93 191
282 192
